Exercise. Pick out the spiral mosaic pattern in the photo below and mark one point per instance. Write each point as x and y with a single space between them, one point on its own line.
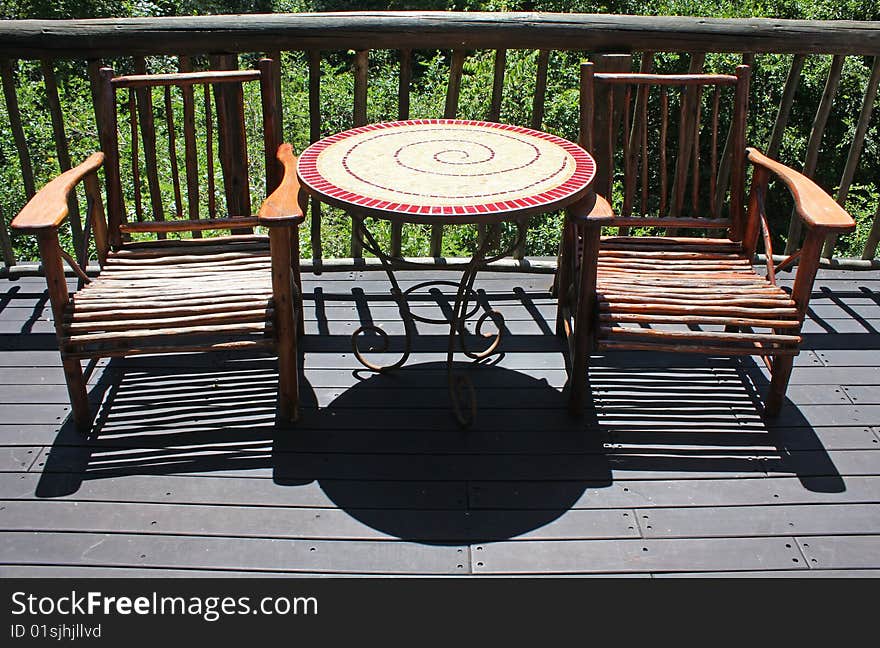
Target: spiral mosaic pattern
445 167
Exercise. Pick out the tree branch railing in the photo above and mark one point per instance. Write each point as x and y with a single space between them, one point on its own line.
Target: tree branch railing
316 34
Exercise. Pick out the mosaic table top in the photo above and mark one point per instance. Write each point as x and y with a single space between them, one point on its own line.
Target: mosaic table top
444 170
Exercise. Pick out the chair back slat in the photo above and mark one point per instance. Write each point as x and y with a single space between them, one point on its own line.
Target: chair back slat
190 152
628 159
144 100
738 157
664 133
159 123
110 146
610 141
271 108
695 164
172 154
209 153
713 163
135 158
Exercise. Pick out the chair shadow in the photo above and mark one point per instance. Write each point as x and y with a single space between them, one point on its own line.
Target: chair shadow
683 415
170 415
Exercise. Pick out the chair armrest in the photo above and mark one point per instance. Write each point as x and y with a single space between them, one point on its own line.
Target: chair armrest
815 207
48 208
282 206
592 208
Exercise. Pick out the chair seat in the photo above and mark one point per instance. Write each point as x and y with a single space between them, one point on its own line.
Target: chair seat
688 294
175 295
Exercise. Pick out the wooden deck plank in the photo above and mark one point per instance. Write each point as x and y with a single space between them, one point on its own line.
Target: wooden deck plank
817 375
479 441
453 527
654 555
234 491
298 466
808 463
97 571
841 551
863 394
850 357
820 415
244 491
37 375
18 458
799 573
255 554
750 521
352 442
827 438
756 491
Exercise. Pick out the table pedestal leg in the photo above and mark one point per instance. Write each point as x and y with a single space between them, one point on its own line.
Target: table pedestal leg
461 390
369 243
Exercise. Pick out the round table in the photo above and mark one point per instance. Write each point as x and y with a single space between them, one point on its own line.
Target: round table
444 172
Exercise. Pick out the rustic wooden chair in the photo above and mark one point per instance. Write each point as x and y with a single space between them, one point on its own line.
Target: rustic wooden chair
689 285
163 286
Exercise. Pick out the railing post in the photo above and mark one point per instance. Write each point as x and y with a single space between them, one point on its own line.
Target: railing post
361 79
6 243
229 103
76 225
601 147
821 119
855 147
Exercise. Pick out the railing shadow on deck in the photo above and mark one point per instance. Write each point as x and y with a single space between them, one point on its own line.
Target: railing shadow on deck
386 449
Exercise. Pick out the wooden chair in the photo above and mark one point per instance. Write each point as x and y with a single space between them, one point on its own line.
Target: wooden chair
158 294
678 275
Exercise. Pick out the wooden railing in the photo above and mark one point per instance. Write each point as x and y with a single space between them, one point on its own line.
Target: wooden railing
610 40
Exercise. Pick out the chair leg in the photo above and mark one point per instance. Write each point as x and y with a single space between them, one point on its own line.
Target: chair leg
297 279
285 286
562 279
288 378
780 375
300 305
79 397
578 383
288 358
583 324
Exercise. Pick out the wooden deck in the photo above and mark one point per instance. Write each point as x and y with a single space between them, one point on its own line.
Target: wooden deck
670 473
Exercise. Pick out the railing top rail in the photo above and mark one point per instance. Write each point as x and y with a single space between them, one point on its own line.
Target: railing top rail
431 29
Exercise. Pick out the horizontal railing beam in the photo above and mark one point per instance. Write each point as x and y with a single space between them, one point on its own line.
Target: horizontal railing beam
94 38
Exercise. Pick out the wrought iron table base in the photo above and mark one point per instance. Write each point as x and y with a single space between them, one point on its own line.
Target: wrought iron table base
461 389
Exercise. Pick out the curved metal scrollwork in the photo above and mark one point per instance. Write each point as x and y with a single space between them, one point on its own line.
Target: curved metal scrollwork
461 390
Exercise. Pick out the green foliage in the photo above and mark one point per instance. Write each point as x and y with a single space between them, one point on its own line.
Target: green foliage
428 94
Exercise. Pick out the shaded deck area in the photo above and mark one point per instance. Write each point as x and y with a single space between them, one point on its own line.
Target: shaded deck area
670 472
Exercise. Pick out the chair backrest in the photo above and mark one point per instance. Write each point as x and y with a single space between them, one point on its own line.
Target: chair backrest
153 130
670 149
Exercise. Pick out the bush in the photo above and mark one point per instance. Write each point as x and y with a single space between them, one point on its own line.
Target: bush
428 97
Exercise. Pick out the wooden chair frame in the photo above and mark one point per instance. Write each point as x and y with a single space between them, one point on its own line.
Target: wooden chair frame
170 296
606 284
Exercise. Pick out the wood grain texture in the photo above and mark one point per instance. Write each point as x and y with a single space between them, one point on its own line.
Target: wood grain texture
50 206
812 204
184 78
283 205
361 30
7 76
